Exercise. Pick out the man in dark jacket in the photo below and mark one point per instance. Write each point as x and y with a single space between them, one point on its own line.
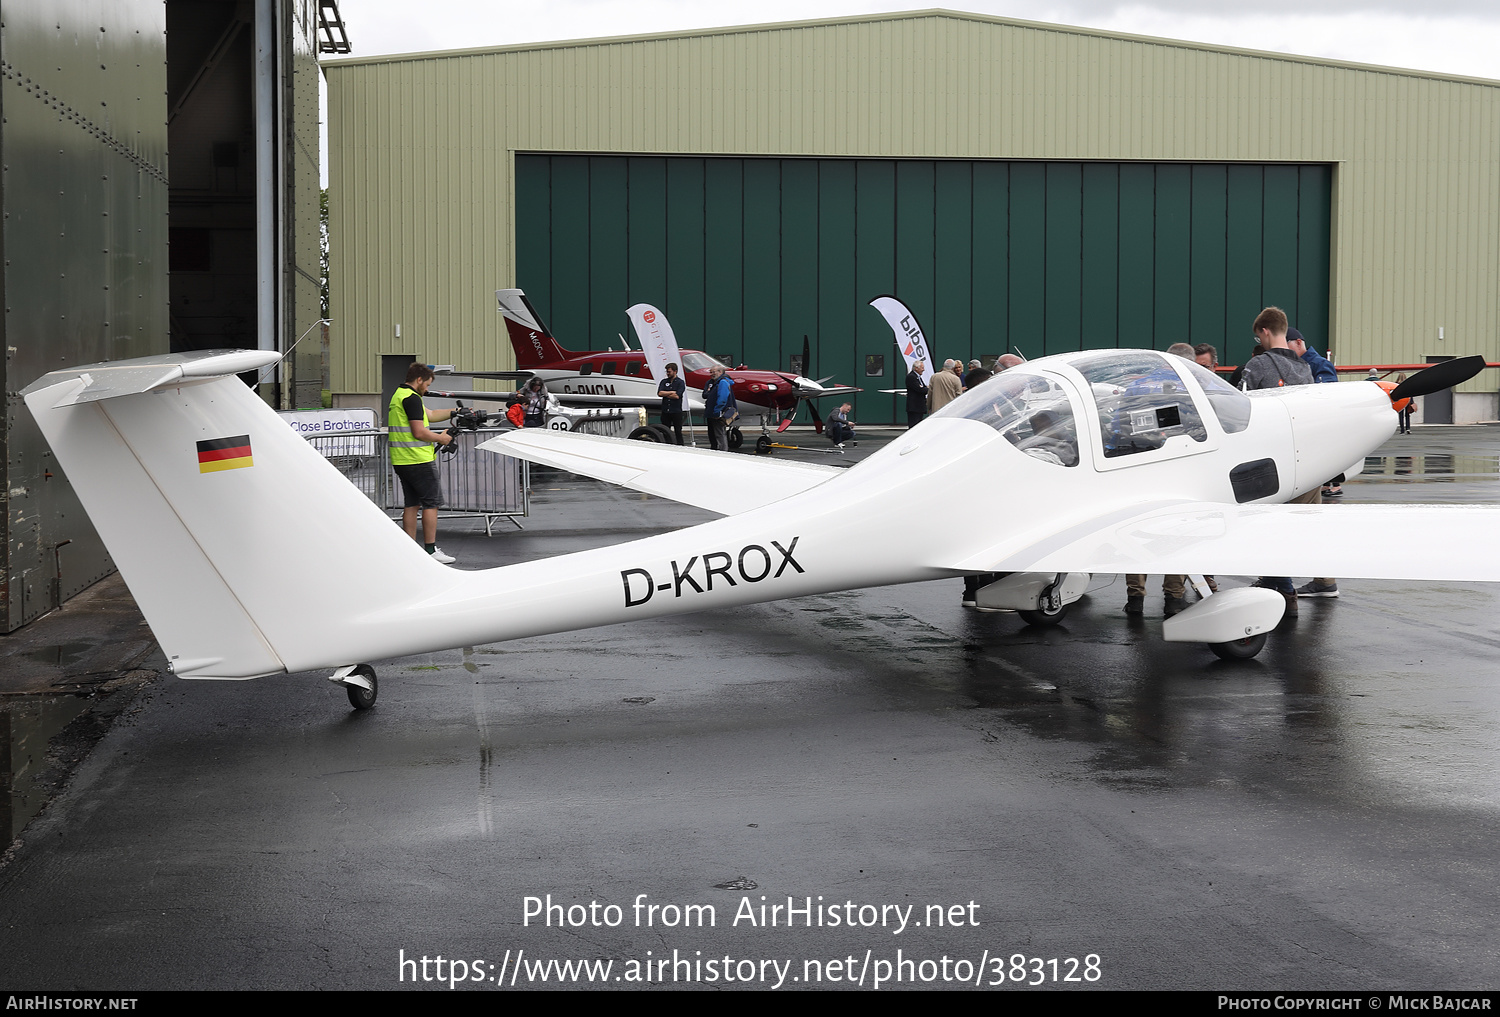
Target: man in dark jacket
1276 368
1322 369
916 395
671 389
839 430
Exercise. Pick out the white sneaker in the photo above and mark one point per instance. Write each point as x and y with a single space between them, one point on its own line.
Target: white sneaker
441 558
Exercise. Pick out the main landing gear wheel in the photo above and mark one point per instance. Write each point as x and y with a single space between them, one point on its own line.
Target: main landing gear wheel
736 439
646 433
664 433
763 445
1044 618
363 699
1239 649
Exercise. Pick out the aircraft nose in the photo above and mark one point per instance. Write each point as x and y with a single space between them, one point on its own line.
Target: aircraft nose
1334 426
806 386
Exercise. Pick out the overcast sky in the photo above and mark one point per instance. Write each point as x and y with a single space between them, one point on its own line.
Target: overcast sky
1449 36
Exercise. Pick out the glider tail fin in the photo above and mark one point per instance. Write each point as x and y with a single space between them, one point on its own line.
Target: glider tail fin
193 483
532 342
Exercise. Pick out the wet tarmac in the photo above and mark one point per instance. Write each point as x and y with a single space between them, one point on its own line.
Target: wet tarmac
63 680
1325 816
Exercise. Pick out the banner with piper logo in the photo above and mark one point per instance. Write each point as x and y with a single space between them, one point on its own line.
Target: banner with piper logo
909 335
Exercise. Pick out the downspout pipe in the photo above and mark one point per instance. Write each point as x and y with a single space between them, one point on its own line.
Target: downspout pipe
265 181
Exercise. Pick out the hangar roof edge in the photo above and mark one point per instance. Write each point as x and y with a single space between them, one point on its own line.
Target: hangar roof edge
933 12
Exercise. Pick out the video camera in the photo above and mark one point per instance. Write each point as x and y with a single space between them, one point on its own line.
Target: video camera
465 418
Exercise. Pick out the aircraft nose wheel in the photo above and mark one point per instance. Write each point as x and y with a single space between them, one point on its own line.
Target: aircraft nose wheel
1050 607
1239 649
361 698
1044 618
763 446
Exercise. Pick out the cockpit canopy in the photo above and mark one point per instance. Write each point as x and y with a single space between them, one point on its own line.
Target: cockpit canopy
1031 411
1141 398
1141 401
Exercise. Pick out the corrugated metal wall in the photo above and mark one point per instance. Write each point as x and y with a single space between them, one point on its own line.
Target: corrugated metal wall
747 256
422 153
83 144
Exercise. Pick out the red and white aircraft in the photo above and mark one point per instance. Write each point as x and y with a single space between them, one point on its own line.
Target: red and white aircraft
623 377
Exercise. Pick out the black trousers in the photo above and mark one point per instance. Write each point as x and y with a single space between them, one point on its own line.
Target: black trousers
673 419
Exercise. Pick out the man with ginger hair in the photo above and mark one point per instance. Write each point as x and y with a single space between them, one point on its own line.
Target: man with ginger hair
1280 366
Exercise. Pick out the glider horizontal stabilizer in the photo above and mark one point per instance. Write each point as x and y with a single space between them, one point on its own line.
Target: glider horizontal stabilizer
146 374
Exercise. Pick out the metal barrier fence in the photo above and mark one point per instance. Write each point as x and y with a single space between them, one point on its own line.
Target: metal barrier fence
361 456
473 483
476 483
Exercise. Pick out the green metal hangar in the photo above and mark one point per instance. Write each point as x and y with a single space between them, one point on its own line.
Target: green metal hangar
1019 185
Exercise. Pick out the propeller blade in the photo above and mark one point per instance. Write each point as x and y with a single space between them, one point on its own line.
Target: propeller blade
822 380
817 420
807 370
1438 377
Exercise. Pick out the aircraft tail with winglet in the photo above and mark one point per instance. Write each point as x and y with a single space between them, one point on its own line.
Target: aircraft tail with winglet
530 339
193 482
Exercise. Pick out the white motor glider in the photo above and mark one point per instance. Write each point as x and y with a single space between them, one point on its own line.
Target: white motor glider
1105 461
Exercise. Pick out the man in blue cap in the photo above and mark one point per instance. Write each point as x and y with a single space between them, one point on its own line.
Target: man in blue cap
1321 368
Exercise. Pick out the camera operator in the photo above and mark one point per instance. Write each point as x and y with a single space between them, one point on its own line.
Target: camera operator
414 457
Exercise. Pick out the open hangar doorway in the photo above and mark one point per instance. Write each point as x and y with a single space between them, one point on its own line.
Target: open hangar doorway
242 123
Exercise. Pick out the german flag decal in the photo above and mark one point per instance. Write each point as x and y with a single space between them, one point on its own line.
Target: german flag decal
224 454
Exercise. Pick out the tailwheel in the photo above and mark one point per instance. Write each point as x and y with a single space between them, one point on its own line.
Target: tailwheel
362 698
1239 649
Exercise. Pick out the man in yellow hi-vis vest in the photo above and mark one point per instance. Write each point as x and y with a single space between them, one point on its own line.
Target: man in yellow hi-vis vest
413 456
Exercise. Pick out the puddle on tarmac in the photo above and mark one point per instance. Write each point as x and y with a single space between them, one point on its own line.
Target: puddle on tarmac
61 655
1431 467
27 725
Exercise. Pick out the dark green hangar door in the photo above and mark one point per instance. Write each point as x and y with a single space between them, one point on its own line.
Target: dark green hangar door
746 256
